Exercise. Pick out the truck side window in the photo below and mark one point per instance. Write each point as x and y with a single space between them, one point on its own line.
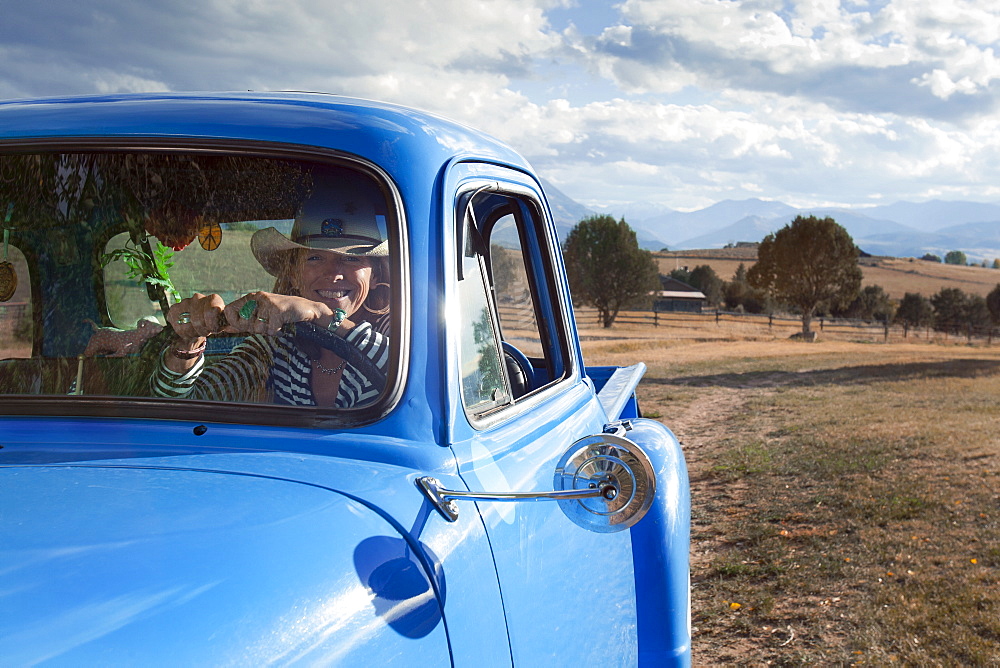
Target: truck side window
512 286
126 299
511 344
483 385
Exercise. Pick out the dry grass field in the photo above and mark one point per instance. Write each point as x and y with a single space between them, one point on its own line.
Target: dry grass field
897 276
845 495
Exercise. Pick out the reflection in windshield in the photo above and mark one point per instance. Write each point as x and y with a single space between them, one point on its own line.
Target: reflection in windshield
218 277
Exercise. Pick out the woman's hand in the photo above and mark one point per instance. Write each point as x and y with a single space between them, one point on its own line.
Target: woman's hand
197 317
266 313
193 320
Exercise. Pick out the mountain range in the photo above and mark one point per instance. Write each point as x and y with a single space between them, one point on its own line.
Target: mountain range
902 229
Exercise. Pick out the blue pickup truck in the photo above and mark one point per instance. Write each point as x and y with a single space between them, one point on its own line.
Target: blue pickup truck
295 378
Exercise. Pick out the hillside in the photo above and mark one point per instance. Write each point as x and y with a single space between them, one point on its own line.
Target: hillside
904 229
897 276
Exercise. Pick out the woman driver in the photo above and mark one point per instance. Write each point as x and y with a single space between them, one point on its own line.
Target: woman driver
326 273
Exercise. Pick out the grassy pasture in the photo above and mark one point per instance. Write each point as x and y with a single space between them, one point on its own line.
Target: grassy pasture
845 495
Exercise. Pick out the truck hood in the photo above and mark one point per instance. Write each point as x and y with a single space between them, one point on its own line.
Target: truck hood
130 564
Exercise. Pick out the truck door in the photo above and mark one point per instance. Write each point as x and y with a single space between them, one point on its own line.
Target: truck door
568 593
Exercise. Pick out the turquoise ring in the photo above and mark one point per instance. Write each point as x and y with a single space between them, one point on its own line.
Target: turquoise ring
339 315
249 306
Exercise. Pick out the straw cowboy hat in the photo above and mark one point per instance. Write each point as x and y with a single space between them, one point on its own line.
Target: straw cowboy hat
338 216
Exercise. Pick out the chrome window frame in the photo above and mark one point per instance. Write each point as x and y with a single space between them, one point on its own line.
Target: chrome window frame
554 278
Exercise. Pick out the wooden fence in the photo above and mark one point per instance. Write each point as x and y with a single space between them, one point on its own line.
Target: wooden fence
781 326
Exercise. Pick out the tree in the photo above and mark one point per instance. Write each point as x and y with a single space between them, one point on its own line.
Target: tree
955 257
949 310
811 262
708 282
914 311
872 303
503 268
702 278
740 296
681 274
605 266
930 257
993 304
977 315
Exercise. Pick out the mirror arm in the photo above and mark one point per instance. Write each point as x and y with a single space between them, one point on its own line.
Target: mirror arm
444 499
603 483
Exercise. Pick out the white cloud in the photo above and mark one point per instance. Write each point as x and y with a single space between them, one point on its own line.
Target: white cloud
856 60
943 87
228 43
687 156
687 101
114 82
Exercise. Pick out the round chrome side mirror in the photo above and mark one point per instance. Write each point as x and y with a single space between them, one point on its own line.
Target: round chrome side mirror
616 466
604 483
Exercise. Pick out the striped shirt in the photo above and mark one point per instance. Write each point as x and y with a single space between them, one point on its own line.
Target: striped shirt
272 369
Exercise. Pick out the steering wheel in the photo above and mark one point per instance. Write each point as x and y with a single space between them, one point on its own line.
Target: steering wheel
519 370
324 338
318 335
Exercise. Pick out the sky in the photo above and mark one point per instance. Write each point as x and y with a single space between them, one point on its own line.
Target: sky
674 103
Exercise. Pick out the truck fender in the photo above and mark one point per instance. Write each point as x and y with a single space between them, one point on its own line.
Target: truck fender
660 544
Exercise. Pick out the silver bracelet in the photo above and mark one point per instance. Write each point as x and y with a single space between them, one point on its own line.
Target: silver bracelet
189 354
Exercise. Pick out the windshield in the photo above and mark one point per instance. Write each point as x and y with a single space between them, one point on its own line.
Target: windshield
196 277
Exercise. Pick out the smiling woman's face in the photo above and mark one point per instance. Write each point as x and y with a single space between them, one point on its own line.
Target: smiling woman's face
339 281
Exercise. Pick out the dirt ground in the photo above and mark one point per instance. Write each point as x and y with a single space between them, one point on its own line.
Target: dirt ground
703 427
844 495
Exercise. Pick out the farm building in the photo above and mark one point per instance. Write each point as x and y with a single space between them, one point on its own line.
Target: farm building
678 296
